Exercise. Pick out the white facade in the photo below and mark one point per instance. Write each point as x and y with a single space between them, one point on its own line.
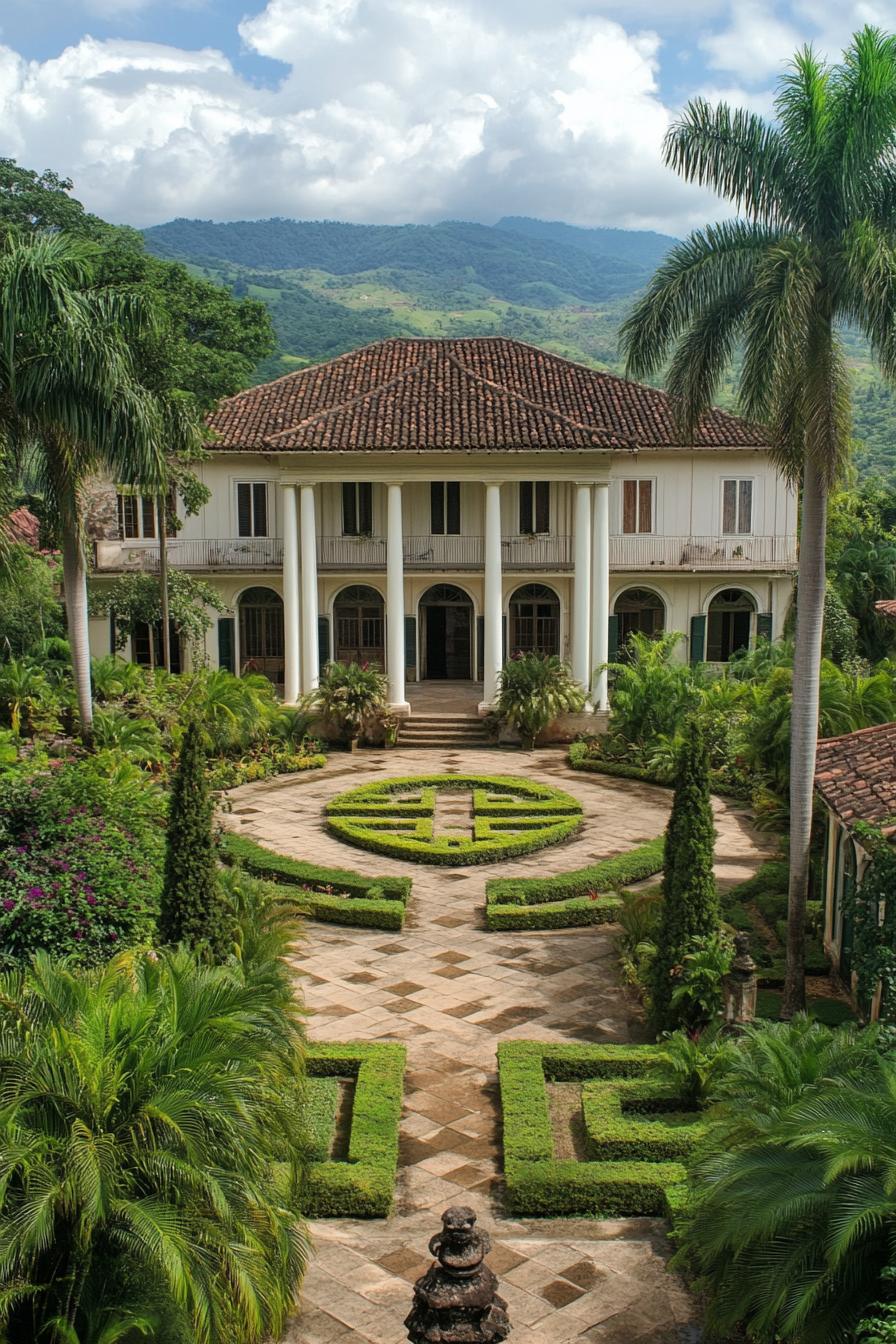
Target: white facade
679 533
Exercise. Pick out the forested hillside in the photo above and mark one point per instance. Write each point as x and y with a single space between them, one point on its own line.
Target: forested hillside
332 286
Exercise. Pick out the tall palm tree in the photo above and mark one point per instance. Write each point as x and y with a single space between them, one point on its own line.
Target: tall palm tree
814 247
69 400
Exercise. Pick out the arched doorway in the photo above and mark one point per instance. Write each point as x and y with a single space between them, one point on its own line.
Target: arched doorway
359 626
261 633
729 624
446 623
639 611
535 620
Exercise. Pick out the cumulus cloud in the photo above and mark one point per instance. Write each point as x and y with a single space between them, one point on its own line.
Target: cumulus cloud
760 36
389 110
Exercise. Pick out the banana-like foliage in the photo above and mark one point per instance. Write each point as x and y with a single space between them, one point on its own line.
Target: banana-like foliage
813 249
150 1160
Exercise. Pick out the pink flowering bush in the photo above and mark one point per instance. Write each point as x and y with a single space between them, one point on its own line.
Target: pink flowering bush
81 852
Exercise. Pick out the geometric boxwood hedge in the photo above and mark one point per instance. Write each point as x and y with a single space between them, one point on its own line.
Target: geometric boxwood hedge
569 900
362 1186
638 1131
510 816
333 895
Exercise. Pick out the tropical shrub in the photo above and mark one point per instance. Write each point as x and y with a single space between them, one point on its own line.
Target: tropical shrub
690 905
26 697
698 993
153 1162
81 851
351 696
30 610
653 693
534 689
191 908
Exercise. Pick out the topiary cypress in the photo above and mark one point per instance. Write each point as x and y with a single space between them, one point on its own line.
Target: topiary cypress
192 908
690 905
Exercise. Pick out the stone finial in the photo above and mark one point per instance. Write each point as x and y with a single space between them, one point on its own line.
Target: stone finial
740 984
456 1301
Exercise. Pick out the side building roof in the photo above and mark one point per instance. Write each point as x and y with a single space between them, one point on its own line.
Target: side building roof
856 775
487 394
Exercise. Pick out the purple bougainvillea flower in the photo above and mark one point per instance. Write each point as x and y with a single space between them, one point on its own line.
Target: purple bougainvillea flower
8 904
36 892
91 899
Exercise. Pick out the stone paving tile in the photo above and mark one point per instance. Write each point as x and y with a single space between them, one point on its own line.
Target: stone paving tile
451 991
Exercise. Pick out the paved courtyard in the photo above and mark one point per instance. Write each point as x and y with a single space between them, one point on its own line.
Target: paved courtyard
451 991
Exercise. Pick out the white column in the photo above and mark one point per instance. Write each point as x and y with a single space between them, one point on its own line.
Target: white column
493 652
600 593
395 600
581 587
291 658
308 540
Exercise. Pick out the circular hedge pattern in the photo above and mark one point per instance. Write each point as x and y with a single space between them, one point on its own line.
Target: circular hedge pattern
453 819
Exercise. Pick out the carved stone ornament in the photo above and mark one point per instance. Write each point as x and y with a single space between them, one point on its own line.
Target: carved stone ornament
456 1301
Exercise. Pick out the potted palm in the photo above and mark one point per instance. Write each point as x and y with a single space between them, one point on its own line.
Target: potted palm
535 689
349 696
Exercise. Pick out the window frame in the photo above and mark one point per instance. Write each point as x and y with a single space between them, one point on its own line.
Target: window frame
142 505
444 496
362 504
739 482
638 482
252 485
534 507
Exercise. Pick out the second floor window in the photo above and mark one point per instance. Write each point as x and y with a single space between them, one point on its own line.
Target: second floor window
136 516
535 507
637 506
444 508
737 507
357 508
252 508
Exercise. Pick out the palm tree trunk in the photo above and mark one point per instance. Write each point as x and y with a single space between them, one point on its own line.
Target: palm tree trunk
804 726
74 580
163 583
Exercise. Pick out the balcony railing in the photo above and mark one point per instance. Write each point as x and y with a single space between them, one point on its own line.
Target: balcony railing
627 553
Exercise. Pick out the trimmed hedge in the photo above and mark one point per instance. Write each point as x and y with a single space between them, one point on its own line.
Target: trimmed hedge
538 1185
569 900
363 1185
350 898
503 827
580 759
618 1127
321 1105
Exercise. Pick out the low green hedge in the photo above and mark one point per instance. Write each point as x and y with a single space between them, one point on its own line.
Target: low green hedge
348 898
580 759
321 1105
363 1185
538 1185
508 827
618 1124
569 900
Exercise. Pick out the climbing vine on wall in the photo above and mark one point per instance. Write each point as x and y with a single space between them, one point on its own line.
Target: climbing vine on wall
872 909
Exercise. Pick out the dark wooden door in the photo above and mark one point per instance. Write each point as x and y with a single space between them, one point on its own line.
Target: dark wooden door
448 642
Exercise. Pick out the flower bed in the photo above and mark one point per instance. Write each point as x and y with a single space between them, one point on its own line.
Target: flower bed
332 895
362 1186
635 1167
510 817
569 900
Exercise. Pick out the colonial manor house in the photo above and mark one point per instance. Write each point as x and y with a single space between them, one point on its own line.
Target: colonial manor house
437 505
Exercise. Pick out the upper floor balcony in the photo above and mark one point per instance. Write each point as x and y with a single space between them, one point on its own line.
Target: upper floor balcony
628 553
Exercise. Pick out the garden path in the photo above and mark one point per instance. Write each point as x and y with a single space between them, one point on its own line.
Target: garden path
451 991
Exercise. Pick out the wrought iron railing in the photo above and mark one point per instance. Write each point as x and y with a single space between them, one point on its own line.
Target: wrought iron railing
446 553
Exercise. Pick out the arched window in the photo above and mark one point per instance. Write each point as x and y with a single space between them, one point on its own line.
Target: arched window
729 625
534 620
359 626
261 633
639 610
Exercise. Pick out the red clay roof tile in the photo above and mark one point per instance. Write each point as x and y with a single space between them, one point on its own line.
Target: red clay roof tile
856 774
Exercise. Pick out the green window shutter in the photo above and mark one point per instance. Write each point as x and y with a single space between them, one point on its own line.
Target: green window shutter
410 643
225 644
613 639
323 640
697 647
113 644
503 640
764 626
480 647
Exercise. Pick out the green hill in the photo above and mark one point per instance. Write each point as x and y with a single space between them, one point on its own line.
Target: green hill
332 286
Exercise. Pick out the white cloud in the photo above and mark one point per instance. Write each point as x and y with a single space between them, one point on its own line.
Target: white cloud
755 45
390 110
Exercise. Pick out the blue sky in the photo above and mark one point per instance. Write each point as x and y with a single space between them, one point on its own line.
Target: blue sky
387 110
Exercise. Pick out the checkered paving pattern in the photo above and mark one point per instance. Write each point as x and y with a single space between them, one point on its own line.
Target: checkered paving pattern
451 991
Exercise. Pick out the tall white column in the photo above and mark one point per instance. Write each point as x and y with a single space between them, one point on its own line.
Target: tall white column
395 600
493 652
308 545
581 587
600 593
291 657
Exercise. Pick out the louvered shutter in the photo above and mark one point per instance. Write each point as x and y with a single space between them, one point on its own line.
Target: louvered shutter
697 647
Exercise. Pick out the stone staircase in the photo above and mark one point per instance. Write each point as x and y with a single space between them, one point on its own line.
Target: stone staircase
443 730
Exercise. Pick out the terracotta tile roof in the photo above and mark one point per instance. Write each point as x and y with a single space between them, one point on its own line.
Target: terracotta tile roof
886 608
856 774
483 393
